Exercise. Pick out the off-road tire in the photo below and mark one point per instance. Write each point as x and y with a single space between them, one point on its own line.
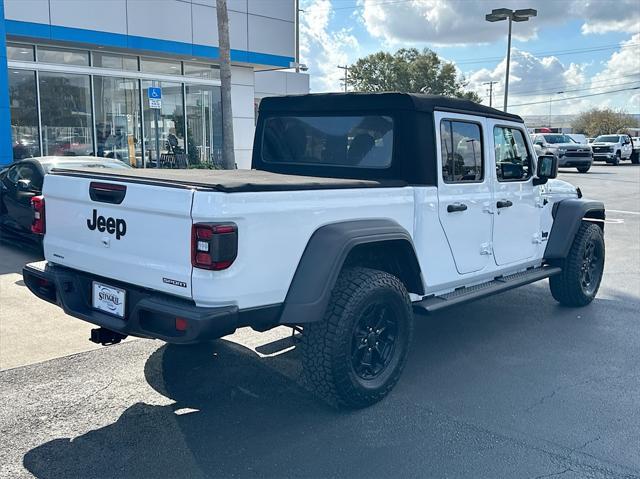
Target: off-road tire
583 169
328 346
568 287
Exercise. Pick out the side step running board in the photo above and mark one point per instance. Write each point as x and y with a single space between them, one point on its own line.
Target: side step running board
500 284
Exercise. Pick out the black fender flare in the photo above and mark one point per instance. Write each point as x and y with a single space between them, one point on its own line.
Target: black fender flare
323 258
567 216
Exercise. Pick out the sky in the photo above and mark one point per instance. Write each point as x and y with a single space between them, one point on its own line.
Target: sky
571 49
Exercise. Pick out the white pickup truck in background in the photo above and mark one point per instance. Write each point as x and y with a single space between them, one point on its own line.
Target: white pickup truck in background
360 209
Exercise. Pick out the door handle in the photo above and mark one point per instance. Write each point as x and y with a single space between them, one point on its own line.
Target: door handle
504 204
456 207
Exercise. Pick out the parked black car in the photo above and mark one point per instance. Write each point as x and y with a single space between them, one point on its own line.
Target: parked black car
22 180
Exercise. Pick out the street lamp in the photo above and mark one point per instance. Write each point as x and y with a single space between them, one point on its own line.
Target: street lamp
499 14
550 97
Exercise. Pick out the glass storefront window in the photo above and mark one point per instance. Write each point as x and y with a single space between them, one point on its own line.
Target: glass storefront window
63 55
204 124
20 52
164 144
156 65
115 61
200 70
118 121
24 114
65 109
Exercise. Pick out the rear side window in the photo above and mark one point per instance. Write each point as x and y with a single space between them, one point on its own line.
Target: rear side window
513 161
352 141
461 150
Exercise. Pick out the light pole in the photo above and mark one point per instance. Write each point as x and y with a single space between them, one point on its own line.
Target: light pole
550 97
499 14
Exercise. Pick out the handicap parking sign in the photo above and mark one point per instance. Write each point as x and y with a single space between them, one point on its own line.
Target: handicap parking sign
154 93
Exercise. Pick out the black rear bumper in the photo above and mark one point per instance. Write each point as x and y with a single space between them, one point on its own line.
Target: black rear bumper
148 314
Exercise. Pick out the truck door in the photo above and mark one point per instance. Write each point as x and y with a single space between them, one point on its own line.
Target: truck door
464 189
516 222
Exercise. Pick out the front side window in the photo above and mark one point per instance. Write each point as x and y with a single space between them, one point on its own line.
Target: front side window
513 161
352 141
461 151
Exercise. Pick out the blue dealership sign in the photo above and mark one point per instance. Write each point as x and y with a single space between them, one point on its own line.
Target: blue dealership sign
154 93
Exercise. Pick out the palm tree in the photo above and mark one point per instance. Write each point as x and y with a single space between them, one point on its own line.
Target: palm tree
228 156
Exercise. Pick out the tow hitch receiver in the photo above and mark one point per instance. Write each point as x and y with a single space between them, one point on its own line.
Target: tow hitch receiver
105 336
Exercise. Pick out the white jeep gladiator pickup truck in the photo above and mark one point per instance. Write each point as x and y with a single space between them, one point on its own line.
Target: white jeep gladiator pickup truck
360 210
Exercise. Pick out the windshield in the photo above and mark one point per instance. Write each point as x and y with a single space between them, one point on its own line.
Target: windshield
608 138
353 141
558 139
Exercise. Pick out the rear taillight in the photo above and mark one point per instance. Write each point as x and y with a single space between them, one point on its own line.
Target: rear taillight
38 226
214 246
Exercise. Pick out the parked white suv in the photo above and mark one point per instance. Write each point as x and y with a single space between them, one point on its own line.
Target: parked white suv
612 148
360 209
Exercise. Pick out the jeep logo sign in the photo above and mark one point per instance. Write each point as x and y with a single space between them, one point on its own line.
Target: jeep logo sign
115 226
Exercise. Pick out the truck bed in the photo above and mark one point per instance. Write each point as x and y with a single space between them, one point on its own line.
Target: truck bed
227 181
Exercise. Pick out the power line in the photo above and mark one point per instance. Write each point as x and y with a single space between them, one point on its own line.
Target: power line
545 92
553 89
552 53
575 97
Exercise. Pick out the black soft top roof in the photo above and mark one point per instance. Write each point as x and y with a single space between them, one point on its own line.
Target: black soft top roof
321 102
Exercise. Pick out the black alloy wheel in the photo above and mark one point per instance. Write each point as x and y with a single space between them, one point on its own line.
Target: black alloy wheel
374 341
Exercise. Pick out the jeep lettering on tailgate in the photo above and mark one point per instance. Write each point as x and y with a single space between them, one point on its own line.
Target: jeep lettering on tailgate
110 225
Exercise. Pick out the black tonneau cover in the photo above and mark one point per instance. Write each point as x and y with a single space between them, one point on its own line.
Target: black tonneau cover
227 181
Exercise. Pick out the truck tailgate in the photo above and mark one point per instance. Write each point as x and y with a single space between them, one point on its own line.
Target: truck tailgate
130 232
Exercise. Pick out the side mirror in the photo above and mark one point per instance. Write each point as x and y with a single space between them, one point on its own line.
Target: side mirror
547 168
24 185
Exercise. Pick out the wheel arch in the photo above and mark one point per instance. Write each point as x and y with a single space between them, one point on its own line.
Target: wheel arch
348 243
567 216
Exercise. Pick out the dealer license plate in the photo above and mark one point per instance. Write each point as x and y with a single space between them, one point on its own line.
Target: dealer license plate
109 299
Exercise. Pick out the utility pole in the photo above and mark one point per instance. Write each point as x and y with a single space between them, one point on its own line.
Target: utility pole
228 156
491 83
346 75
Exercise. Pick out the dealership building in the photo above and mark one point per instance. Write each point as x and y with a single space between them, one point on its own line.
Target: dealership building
137 80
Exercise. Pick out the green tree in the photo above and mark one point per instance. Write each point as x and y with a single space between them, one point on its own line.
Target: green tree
408 70
601 121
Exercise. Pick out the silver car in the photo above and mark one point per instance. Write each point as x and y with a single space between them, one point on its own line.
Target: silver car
563 147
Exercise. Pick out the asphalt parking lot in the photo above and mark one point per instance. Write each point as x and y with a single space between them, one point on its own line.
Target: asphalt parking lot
510 386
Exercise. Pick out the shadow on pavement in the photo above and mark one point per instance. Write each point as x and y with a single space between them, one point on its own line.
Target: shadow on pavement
15 253
236 415
233 415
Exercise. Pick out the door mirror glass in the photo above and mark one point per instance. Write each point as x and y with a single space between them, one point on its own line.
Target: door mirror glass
547 168
24 185
511 171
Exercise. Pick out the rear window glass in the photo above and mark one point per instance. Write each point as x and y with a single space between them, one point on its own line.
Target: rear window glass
352 141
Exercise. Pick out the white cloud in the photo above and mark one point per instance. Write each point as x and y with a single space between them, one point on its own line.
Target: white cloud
610 16
461 22
323 49
538 79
